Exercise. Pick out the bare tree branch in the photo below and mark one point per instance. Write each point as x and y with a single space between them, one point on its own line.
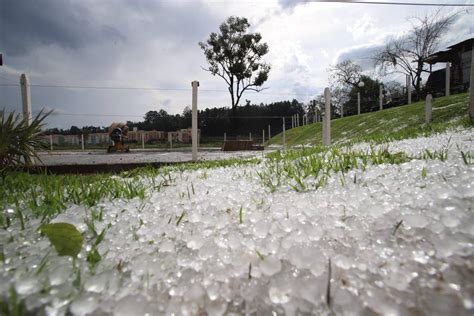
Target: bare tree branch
411 51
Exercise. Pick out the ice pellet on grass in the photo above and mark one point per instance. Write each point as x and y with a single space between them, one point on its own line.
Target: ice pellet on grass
219 242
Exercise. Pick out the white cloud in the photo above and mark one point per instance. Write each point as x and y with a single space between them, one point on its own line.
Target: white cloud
154 44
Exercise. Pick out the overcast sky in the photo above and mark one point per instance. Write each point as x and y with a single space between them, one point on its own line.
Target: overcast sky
138 43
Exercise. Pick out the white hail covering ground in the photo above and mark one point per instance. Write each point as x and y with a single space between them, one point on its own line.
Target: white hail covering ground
211 264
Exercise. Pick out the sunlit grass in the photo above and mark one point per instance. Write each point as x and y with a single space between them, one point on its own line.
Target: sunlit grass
397 123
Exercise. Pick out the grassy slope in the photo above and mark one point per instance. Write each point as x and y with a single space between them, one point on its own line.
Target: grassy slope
396 123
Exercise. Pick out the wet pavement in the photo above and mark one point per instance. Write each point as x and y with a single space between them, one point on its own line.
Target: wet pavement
97 157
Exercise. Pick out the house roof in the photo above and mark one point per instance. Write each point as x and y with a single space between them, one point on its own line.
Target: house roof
449 55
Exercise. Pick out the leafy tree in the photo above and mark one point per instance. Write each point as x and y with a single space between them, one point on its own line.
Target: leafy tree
369 96
74 130
151 117
235 55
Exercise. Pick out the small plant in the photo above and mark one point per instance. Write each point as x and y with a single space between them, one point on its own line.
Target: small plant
19 140
180 218
260 256
12 305
466 157
93 256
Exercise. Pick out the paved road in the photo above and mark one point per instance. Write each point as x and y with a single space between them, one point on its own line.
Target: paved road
134 157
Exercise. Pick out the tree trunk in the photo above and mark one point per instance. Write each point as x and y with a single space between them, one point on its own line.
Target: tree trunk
233 119
417 81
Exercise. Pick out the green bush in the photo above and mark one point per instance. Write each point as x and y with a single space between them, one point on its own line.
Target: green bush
19 140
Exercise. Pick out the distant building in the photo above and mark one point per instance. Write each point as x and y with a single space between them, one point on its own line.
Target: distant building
182 136
97 138
459 56
137 135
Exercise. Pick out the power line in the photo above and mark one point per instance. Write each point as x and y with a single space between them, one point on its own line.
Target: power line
141 116
97 87
428 4
147 89
201 116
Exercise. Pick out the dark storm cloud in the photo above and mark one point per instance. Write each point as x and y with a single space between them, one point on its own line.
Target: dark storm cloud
73 25
27 24
101 43
364 56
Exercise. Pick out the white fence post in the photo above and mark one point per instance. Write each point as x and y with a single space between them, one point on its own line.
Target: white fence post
194 132
380 98
284 138
26 98
250 136
143 140
358 103
82 141
170 139
51 142
263 136
409 89
448 79
428 108
327 118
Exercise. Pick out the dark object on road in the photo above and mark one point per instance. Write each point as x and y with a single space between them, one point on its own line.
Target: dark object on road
118 134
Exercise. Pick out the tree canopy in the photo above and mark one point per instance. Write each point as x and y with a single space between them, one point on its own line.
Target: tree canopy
235 55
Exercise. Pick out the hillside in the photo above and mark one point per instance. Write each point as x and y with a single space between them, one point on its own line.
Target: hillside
406 121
